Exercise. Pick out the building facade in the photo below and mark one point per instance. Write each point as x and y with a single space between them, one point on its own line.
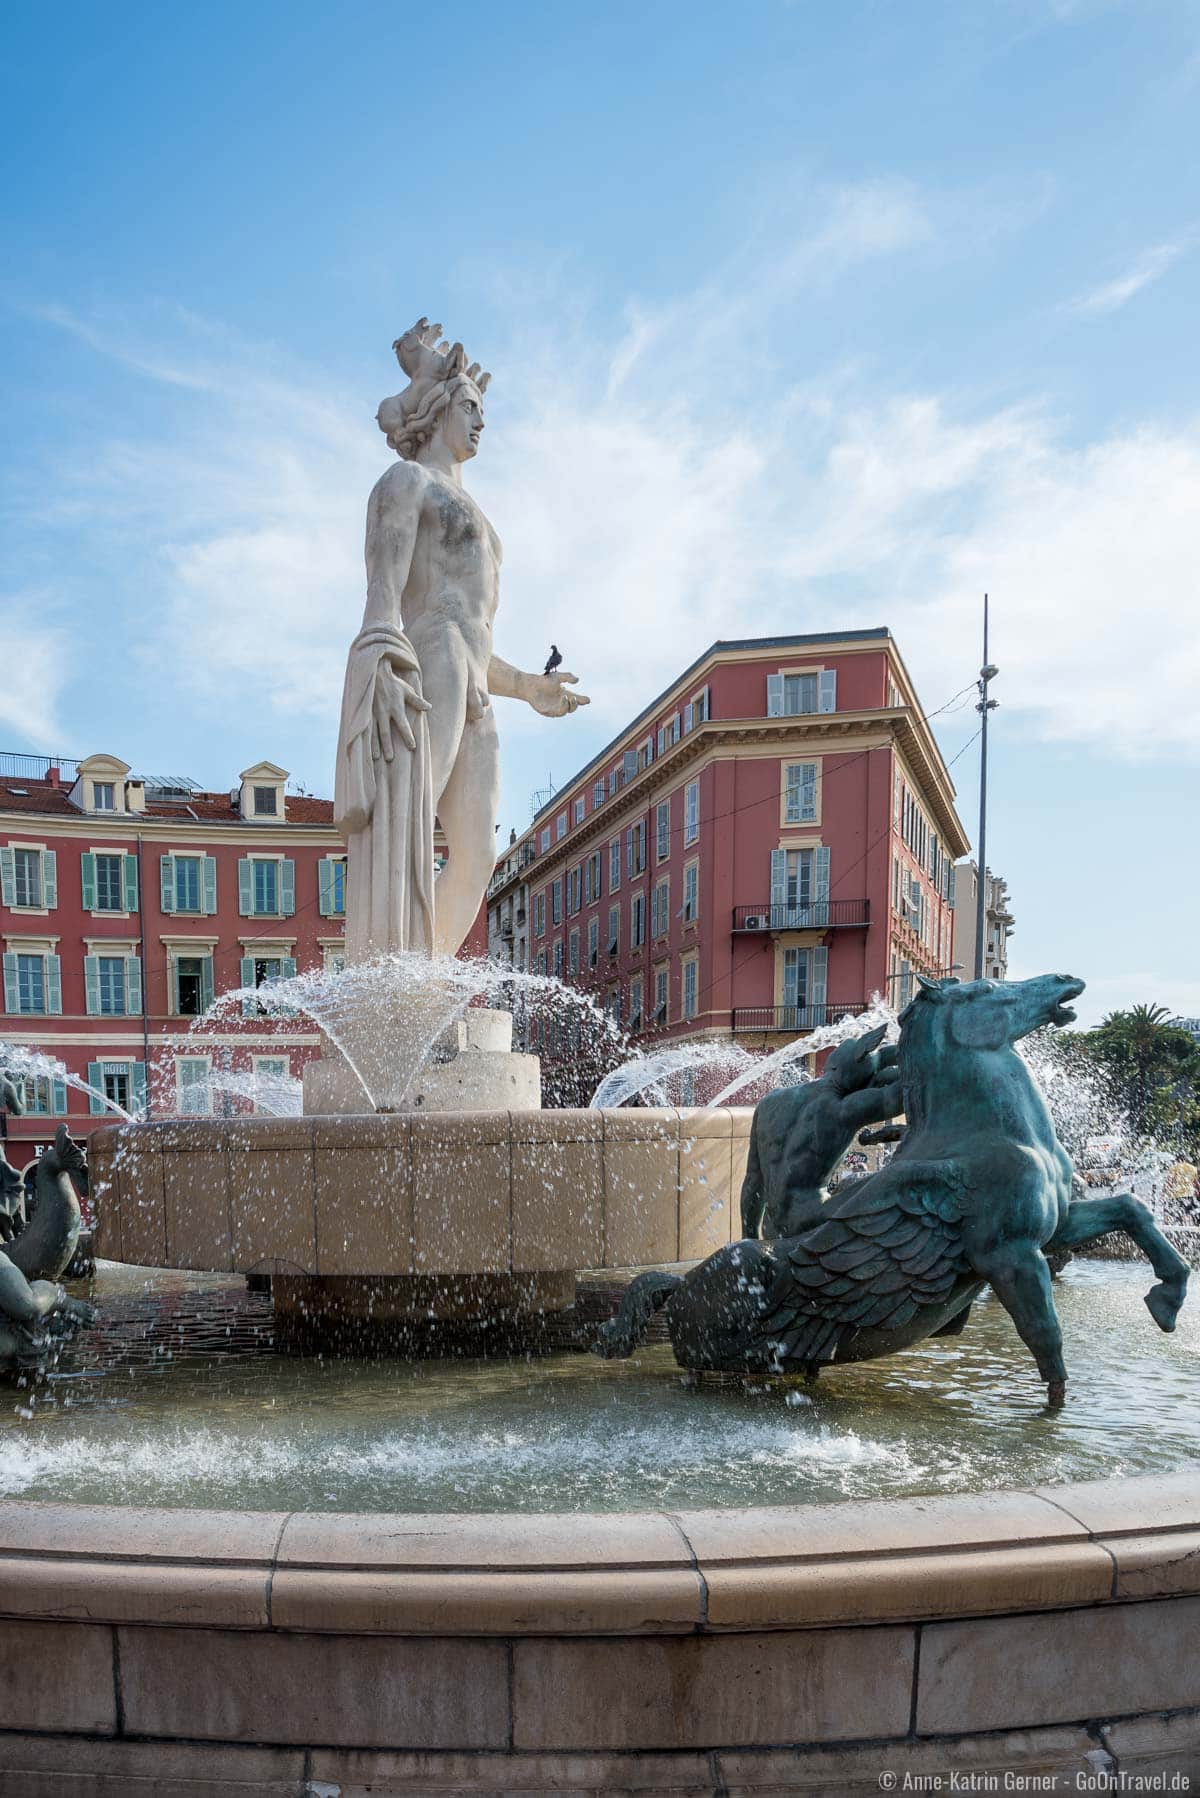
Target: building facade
998 923
127 905
766 846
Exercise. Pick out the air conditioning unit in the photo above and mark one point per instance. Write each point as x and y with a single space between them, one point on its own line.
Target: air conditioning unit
755 921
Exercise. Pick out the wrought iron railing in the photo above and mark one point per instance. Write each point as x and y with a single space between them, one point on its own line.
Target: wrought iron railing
792 1017
821 914
14 766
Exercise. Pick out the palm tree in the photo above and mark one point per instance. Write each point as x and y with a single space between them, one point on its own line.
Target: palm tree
1155 1065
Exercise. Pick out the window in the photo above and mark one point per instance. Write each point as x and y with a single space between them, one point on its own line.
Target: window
42 1096
905 985
637 921
108 889
662 830
558 959
800 888
110 980
789 695
560 827
188 883
266 887
335 961
579 808
556 902
574 890
614 864
32 983
700 707
646 753
689 988
539 914
264 970
545 839
613 777
614 929
331 887
266 802
270 1069
635 1003
598 794
804 976
635 848
191 1085
592 873
629 766
29 879
593 941
104 798
691 812
662 988
573 952
660 909
691 892
114 1084
612 1006
193 985
800 793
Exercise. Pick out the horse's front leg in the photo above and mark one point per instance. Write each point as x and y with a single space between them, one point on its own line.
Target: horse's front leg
1020 1279
1088 1219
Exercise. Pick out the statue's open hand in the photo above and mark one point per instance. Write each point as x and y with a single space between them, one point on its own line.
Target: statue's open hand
393 697
548 694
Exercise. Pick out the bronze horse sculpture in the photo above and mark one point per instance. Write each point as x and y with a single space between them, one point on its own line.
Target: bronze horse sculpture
35 1310
978 1192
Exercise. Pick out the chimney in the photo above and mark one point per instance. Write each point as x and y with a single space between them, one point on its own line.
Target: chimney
54 777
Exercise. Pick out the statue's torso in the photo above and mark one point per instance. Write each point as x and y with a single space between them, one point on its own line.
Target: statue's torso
453 578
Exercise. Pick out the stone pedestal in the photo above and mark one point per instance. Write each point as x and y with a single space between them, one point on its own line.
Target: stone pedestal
473 1068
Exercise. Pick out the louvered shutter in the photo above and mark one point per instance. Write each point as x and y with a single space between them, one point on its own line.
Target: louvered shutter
951 884
687 718
774 696
133 984
131 883
820 983
827 702
137 1088
166 883
287 888
808 791
778 886
8 877
58 1098
53 986
49 879
246 978
246 890
87 875
629 764
95 1079
91 984
12 985
206 981
208 885
821 884
325 889
662 738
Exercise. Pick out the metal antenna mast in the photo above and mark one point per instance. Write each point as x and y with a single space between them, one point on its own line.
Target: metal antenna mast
987 673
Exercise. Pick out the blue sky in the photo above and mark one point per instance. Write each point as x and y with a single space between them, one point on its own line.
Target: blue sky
799 317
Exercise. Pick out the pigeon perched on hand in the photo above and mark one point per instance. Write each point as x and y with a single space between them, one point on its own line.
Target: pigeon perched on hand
554 661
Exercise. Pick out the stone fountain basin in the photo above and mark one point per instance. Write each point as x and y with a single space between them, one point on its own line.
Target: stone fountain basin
791 1649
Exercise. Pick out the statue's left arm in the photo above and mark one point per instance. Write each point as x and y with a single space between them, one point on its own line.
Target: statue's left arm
873 1104
546 693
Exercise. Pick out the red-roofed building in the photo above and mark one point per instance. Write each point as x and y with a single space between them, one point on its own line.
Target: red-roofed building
127 904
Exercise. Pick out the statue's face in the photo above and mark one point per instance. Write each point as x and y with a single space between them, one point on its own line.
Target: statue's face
462 421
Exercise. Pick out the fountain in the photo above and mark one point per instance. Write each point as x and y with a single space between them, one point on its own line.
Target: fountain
232 1557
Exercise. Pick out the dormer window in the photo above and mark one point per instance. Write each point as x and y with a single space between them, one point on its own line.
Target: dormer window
266 802
261 794
104 796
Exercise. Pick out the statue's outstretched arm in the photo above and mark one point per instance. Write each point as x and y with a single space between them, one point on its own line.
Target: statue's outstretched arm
873 1104
546 693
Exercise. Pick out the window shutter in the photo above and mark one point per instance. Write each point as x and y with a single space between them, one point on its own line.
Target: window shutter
91 984
821 880
206 981
662 738
808 791
137 1087
58 1098
951 883
131 883
827 701
12 990
287 888
53 985
629 764
208 885
95 1078
246 893
287 968
325 889
49 879
166 883
820 983
249 1006
774 696
8 877
133 983
87 872
687 717
778 879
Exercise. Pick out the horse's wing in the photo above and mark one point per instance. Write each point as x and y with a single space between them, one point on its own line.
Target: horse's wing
882 1258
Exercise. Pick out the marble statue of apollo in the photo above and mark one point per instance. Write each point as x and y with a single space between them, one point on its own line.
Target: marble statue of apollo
417 739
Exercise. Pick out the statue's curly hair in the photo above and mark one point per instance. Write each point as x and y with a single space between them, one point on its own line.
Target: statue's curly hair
437 370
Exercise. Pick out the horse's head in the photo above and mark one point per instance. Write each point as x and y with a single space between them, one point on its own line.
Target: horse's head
66 1156
988 1014
853 1064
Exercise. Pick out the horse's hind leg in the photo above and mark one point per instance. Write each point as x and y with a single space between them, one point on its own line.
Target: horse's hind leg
644 1295
1021 1281
1088 1219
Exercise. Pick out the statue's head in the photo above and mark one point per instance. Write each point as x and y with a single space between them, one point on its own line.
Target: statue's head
444 396
854 1064
990 1014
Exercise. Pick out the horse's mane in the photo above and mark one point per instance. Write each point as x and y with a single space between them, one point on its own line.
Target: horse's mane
916 1028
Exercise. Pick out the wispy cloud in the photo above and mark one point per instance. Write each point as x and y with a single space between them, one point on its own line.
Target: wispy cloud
37 653
1148 268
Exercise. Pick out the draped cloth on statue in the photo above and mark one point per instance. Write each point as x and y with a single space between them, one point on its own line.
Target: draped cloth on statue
384 808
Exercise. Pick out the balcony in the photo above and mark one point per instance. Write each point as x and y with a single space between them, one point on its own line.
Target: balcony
792 1019
823 914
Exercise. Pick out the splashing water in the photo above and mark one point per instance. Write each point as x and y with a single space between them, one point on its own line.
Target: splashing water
31 1064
